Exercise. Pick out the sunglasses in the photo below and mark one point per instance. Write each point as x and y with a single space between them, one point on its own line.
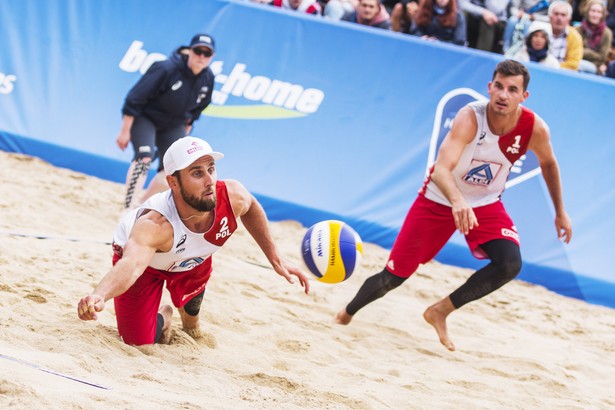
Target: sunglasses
203 52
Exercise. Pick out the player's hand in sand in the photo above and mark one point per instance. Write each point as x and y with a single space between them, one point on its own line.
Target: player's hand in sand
89 306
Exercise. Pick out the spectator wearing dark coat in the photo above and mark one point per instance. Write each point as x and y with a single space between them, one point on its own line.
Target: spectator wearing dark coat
439 20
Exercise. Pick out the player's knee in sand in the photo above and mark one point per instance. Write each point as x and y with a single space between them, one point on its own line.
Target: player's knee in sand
189 314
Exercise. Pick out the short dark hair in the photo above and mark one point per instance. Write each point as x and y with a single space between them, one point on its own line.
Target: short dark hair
509 68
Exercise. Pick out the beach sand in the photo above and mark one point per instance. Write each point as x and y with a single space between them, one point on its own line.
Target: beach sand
266 344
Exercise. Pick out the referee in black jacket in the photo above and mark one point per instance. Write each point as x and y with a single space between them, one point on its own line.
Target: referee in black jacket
161 108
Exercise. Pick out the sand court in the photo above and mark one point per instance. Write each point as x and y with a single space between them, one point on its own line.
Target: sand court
266 344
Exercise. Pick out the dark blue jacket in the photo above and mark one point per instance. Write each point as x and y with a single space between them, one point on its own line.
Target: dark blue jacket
169 93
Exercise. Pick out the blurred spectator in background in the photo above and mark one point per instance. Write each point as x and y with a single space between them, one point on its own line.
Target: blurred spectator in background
337 9
597 38
439 20
536 47
370 13
576 15
579 9
566 43
486 20
522 14
610 23
304 6
402 15
390 4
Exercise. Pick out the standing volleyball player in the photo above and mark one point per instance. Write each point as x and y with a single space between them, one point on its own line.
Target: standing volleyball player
463 192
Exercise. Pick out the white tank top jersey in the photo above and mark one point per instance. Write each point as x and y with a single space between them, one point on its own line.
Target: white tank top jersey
189 249
485 163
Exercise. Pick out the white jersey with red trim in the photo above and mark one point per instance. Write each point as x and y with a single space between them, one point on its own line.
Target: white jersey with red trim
189 249
485 163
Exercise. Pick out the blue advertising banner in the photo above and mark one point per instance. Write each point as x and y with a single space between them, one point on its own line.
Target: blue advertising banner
319 119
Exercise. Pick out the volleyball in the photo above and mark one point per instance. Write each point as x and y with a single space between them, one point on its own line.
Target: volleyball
331 250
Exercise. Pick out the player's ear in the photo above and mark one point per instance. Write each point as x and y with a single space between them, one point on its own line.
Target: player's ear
172 181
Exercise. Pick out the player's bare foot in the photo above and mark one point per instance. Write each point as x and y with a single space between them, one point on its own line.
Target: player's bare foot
167 313
436 316
342 317
190 324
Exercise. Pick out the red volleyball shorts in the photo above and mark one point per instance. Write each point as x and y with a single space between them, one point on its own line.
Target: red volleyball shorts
136 309
429 225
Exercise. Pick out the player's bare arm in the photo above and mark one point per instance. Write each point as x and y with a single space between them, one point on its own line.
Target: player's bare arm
461 134
255 221
151 232
540 144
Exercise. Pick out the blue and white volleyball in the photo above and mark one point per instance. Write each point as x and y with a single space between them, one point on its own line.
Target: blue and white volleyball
332 250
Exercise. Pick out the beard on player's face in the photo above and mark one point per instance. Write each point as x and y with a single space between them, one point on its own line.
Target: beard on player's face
198 203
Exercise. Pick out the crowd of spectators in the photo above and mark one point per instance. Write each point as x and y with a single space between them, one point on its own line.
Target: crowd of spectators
568 34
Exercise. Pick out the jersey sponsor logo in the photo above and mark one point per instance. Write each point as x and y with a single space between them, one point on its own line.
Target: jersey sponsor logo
240 94
7 83
177 85
510 233
186 264
524 168
481 138
181 241
481 173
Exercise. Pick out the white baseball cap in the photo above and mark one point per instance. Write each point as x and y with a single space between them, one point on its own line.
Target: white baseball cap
185 151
